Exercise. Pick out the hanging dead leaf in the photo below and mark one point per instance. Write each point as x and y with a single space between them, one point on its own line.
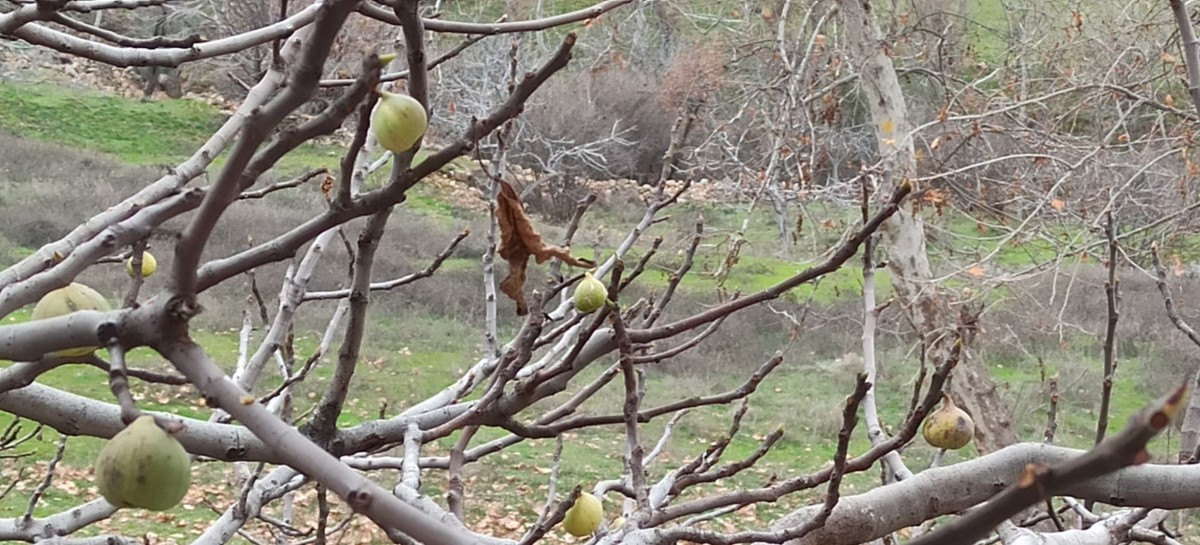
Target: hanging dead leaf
327 187
519 240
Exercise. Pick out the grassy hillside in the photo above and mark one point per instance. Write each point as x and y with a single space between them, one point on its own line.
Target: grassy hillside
422 337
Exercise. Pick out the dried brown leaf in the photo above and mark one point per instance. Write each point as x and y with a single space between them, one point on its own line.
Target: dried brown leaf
519 240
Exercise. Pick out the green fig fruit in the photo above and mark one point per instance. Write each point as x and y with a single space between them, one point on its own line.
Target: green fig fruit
143 466
399 121
66 300
149 265
590 294
948 427
584 517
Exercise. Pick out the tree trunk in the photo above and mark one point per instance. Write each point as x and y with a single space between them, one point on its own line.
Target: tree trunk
903 235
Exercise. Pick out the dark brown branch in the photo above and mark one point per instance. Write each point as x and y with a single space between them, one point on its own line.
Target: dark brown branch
456 493
634 450
581 208
1051 413
136 278
428 271
681 348
642 263
286 184
677 276
324 421
730 469
1113 297
347 168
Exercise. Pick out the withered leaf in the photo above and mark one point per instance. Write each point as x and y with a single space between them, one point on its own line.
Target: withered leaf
519 240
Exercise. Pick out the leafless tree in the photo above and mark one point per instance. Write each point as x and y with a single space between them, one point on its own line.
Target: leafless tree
510 386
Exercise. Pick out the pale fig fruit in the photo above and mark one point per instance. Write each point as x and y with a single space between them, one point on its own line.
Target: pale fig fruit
399 121
143 466
149 265
584 517
62 301
948 427
590 294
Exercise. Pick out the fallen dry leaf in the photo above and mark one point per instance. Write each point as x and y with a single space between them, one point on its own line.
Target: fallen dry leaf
519 240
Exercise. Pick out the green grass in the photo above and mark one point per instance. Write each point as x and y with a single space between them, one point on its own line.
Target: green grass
133 131
161 132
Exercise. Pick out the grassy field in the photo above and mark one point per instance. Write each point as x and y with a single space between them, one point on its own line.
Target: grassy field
421 338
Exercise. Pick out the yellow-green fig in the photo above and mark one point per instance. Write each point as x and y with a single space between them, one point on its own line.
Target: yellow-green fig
62 301
399 121
149 265
590 294
143 466
948 427
584 517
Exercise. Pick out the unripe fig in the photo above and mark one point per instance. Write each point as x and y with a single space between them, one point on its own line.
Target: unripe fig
584 517
149 265
399 121
590 294
143 466
948 427
66 300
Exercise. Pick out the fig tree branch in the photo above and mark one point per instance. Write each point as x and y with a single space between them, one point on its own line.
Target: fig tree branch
403 74
234 177
18 24
832 496
286 184
428 271
1191 50
156 42
1189 439
295 450
485 29
123 233
59 524
1036 482
282 247
324 422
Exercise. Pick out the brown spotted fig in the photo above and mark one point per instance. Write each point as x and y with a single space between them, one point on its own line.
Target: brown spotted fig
948 427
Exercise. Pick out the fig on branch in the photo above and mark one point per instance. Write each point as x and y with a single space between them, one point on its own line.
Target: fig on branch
584 517
149 265
143 466
66 300
948 427
590 294
399 121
